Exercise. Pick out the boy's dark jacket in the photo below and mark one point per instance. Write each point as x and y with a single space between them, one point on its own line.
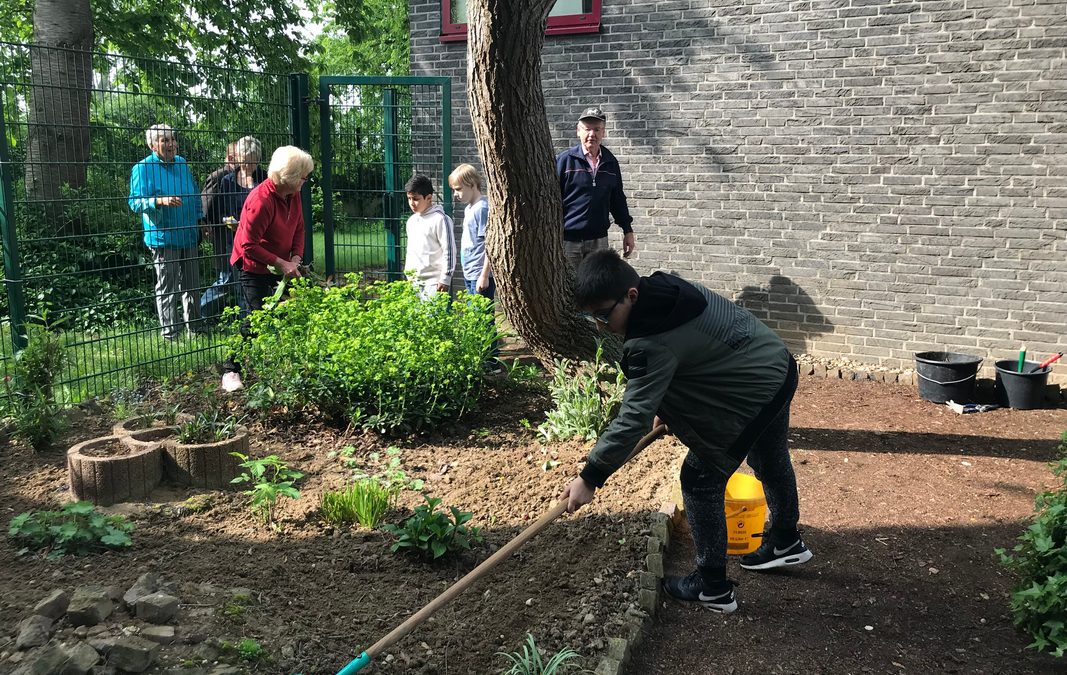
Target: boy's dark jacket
704 365
588 200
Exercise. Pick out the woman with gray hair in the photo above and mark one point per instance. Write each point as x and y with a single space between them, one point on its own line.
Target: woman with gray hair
233 189
270 236
164 193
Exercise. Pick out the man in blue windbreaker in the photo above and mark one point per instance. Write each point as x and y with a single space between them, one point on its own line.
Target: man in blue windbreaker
590 183
163 191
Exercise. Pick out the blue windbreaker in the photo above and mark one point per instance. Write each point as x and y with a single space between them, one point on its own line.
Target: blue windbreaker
166 226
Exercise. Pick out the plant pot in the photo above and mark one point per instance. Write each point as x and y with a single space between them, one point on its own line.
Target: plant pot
107 470
204 465
142 422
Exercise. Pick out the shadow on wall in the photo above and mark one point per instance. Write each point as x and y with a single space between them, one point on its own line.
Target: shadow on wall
787 310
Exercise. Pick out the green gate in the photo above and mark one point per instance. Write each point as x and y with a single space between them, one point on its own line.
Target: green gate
375 133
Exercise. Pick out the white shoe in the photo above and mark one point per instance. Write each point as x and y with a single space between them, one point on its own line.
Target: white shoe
231 382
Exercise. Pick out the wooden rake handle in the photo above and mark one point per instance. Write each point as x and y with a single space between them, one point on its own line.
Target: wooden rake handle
489 563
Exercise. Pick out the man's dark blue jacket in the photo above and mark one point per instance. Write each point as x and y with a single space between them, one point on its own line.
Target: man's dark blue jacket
587 201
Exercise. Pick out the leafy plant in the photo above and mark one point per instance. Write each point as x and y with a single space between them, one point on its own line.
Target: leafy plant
208 427
1039 600
529 661
433 533
365 502
587 396
247 649
77 528
30 388
389 474
523 373
375 355
270 479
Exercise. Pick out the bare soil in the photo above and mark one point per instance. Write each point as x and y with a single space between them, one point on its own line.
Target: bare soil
902 502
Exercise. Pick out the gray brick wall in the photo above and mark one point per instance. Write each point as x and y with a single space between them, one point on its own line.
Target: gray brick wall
873 178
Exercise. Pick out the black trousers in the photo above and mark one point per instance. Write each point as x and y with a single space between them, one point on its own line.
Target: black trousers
256 288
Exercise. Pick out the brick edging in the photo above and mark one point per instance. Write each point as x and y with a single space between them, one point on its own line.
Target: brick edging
649 594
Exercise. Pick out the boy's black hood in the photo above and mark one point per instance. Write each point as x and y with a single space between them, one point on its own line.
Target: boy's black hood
664 302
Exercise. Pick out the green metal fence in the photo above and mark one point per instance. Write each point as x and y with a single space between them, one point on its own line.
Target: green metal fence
73 124
376 133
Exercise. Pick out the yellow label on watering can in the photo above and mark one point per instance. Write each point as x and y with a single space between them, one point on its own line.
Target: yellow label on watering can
746 512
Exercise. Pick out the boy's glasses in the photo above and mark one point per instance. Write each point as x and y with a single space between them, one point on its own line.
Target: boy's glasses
603 315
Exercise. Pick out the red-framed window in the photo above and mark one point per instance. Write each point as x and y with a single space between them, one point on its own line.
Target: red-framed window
568 17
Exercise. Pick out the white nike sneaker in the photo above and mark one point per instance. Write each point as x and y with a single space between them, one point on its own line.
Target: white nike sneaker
770 555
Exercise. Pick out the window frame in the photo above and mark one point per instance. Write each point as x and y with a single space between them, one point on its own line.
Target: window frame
567 24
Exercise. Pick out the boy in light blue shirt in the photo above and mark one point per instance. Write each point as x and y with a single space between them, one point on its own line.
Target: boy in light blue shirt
477 274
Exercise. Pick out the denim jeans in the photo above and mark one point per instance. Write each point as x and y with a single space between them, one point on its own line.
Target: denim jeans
490 293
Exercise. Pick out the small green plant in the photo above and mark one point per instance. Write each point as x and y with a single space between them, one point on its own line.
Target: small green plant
246 649
236 606
586 395
77 528
270 479
529 661
31 400
433 533
365 502
208 427
1039 600
389 473
523 373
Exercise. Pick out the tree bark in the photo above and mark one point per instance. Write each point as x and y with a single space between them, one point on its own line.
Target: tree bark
61 63
525 232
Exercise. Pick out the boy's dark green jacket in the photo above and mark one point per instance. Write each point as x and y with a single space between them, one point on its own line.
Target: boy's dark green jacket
704 365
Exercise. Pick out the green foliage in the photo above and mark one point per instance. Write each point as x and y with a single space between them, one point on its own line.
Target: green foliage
587 396
365 502
77 528
433 533
529 661
246 649
387 469
270 479
521 373
1039 600
377 356
31 400
209 427
368 37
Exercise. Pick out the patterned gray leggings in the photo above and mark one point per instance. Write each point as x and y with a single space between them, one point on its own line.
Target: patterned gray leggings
704 489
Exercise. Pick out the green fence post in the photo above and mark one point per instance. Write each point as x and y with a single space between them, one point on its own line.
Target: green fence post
446 142
392 184
13 271
325 136
300 124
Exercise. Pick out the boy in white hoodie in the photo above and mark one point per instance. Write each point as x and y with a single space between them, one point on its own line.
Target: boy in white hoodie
431 250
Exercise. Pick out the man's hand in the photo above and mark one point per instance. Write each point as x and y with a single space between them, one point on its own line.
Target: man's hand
629 244
442 288
482 284
578 494
171 200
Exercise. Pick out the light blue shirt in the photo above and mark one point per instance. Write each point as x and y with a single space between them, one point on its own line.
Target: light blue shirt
475 220
166 226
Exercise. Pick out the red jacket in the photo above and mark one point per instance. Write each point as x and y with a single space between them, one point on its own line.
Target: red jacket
271 227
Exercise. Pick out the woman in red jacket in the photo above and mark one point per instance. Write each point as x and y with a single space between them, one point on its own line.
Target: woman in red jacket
270 235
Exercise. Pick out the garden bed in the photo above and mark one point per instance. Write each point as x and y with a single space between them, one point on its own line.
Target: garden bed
887 481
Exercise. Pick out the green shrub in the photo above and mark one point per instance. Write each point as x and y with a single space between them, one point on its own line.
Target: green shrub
30 389
1039 600
586 396
377 356
208 427
433 533
365 502
77 528
528 661
270 478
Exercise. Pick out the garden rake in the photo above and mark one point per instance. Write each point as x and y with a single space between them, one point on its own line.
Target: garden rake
477 573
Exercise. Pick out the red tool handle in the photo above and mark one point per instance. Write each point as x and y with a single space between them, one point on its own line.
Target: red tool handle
1049 361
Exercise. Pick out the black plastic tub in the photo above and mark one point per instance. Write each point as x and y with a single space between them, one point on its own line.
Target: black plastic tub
1022 391
946 376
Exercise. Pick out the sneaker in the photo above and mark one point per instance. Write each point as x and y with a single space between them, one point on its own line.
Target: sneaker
769 555
231 382
691 589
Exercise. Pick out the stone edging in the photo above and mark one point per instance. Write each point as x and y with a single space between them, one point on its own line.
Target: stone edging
649 594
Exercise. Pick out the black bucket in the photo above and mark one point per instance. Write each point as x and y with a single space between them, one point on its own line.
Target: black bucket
946 376
1022 391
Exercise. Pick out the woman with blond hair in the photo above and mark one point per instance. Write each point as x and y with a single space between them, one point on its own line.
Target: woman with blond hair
270 234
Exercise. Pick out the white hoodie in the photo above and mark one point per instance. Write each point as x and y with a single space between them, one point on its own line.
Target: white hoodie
431 250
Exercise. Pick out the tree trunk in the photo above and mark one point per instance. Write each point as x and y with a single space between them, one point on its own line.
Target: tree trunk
525 232
57 143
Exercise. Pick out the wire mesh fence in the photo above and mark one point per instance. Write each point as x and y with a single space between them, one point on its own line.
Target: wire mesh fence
76 253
